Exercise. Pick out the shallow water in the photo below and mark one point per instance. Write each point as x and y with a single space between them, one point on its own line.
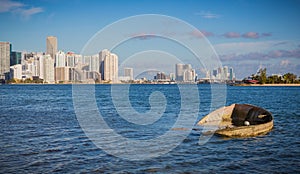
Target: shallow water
39 133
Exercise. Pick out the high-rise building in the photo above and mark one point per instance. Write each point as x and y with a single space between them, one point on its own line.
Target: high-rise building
128 72
179 71
231 74
16 72
15 58
215 72
104 53
40 66
60 59
62 74
185 73
160 76
70 59
111 68
48 69
51 43
78 59
172 77
5 51
226 72
95 63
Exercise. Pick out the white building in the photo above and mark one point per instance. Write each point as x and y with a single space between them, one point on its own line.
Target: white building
48 69
60 59
111 68
70 59
179 71
172 77
4 59
95 63
128 72
87 60
16 72
185 73
41 67
104 53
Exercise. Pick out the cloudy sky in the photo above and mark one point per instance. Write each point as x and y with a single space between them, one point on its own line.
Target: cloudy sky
246 34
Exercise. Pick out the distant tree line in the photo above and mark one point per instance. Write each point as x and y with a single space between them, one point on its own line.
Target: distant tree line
28 80
288 78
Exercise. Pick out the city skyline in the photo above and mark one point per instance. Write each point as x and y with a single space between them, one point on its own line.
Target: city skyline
64 67
104 66
245 34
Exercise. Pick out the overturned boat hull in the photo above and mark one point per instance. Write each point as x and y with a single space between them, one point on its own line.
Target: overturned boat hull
231 120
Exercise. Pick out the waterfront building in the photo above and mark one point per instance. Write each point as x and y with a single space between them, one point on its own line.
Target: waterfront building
16 72
94 65
225 72
62 74
160 76
111 68
189 75
179 70
87 62
222 73
128 72
78 59
51 43
70 59
15 58
104 53
185 73
60 59
48 69
172 77
5 51
40 66
231 74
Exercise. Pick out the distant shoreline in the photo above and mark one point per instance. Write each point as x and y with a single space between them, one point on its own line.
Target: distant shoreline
281 84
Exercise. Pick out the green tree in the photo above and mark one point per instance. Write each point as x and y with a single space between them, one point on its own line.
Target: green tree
289 78
274 79
263 76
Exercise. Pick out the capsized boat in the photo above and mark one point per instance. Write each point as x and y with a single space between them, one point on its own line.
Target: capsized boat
239 120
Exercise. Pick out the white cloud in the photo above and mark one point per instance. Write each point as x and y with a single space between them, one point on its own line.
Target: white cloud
19 8
285 63
247 47
7 5
208 15
27 13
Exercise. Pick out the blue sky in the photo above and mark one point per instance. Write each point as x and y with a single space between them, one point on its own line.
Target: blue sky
245 33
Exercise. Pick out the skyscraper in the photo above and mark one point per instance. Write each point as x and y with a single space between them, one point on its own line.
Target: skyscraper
15 58
70 59
95 63
128 72
111 68
51 43
5 50
231 74
41 67
104 53
48 69
184 72
62 74
60 59
179 72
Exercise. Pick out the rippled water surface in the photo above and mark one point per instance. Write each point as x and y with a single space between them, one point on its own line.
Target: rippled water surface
39 133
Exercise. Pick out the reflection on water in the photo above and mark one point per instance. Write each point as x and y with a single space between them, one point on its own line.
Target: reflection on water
39 133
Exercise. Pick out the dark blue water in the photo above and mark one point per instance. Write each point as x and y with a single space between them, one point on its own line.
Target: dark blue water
39 133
